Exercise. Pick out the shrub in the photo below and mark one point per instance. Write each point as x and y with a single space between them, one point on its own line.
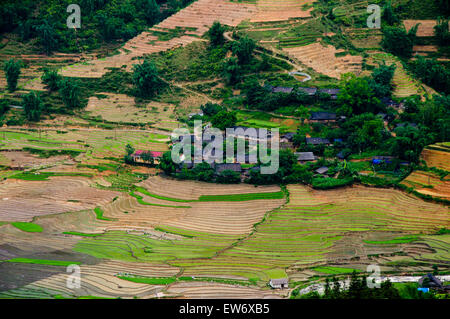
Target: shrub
12 71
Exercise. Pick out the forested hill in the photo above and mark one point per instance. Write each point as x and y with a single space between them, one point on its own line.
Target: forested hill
44 21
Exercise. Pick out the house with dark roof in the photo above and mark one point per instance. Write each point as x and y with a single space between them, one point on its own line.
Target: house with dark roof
322 170
303 157
322 117
235 167
287 138
333 93
382 159
430 281
389 102
308 91
317 141
342 155
405 124
282 89
279 283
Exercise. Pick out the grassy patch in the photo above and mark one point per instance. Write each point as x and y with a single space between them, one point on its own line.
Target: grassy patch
43 176
142 202
43 262
334 270
240 197
150 280
399 240
28 227
99 213
75 233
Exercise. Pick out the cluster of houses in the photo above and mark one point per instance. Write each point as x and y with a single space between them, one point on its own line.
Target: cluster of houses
310 91
286 140
430 282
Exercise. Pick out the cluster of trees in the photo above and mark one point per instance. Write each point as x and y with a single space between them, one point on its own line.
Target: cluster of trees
12 72
399 42
101 20
261 98
243 53
200 172
362 94
218 115
146 79
432 73
358 289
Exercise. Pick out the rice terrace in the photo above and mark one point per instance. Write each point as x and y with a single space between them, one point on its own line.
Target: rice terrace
94 206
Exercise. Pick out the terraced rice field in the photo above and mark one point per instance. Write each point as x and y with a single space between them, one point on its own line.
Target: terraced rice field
120 108
92 143
318 227
425 29
428 183
404 84
323 59
196 18
437 158
23 200
31 73
280 10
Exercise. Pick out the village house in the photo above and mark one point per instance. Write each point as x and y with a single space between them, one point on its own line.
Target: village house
431 282
333 93
235 167
317 141
322 117
279 283
141 156
308 91
303 157
322 170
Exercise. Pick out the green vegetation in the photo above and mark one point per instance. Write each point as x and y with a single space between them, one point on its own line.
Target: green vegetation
27 227
43 176
12 72
146 80
399 240
32 106
43 262
334 270
75 233
99 214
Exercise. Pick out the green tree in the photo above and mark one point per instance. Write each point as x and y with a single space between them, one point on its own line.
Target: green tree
129 149
243 49
150 10
4 106
70 92
232 70
47 36
398 41
166 164
224 119
228 177
32 106
146 79
211 109
51 78
215 33
12 71
389 15
441 31
356 96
